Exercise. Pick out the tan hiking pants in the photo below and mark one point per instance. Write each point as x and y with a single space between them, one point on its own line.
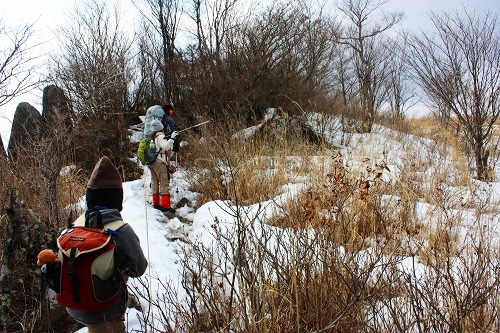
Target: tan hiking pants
159 178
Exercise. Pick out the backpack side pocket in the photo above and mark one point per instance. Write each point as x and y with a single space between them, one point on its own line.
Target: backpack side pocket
51 273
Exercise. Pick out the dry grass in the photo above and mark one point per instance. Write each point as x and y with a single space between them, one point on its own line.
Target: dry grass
349 230
251 171
319 287
355 206
71 187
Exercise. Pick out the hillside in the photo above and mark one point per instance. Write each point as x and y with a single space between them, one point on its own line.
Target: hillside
423 208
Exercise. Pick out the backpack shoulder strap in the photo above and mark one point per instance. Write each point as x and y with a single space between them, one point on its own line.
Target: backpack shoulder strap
154 141
80 221
115 225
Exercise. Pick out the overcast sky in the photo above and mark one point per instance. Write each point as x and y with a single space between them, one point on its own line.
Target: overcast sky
49 14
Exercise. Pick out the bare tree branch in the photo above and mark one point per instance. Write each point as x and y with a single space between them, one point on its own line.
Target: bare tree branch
16 61
364 37
459 69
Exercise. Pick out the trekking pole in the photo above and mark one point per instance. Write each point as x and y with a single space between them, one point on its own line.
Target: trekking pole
176 177
176 162
203 123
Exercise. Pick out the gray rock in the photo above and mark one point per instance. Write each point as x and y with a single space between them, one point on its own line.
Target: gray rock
56 112
26 130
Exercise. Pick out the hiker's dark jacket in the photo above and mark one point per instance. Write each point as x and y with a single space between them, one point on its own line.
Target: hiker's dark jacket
169 124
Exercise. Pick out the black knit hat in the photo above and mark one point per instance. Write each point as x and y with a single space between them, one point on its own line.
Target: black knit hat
105 186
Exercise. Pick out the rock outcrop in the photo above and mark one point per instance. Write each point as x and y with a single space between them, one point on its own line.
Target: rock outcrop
56 113
30 128
3 154
26 130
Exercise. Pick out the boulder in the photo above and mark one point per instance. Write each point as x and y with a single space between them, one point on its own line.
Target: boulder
281 126
26 130
3 154
56 113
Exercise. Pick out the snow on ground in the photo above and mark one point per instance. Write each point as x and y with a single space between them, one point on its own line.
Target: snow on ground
162 239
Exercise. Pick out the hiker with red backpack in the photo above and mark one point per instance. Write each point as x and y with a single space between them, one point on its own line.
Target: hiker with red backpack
160 168
97 254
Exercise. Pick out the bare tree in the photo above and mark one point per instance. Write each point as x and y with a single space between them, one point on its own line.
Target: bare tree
344 74
157 44
364 37
278 58
401 92
93 70
213 21
285 54
459 69
149 83
16 61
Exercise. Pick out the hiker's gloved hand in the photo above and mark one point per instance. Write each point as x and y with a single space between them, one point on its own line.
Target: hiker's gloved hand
174 135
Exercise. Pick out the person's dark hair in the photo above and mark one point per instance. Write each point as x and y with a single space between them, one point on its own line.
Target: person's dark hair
167 107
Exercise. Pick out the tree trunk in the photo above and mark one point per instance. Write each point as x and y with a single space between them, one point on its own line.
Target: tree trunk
481 157
368 109
367 122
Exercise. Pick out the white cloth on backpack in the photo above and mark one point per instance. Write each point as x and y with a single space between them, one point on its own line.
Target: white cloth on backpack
156 125
153 112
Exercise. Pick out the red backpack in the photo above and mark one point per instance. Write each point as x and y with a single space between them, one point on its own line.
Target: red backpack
89 281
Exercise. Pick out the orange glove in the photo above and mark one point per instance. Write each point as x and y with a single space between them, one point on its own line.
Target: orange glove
46 256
